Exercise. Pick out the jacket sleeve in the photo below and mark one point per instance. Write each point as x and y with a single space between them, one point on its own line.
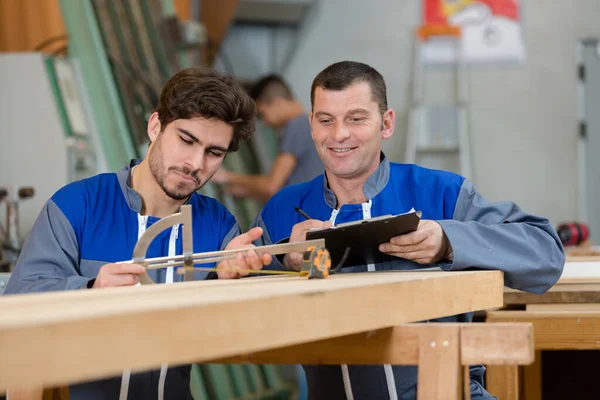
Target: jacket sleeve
49 260
500 236
265 240
234 232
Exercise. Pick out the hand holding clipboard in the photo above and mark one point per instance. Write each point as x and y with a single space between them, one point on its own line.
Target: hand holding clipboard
364 237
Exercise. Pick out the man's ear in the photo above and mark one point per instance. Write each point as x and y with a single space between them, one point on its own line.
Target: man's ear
154 127
310 121
388 124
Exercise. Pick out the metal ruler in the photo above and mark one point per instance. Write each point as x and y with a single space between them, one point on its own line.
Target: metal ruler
189 258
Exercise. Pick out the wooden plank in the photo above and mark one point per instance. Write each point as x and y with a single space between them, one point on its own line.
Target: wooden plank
503 381
562 297
564 307
39 394
398 345
480 344
64 298
497 344
575 287
576 280
583 257
26 394
45 345
440 372
51 307
557 330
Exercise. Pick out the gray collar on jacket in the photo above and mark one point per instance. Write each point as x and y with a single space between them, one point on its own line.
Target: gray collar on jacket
372 186
133 199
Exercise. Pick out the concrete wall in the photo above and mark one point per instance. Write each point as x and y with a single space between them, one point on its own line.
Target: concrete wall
524 119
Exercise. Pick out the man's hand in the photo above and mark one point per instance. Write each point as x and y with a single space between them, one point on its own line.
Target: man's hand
222 177
229 183
121 274
293 261
244 261
428 244
236 190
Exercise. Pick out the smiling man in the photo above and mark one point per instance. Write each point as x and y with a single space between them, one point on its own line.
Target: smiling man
350 119
88 226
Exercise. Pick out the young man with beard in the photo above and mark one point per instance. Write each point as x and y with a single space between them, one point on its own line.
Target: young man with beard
459 229
88 226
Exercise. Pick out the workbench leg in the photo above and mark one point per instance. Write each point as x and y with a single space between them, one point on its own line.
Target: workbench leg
532 379
440 369
503 381
59 393
25 394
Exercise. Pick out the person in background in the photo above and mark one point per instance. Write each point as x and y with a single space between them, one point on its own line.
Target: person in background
297 160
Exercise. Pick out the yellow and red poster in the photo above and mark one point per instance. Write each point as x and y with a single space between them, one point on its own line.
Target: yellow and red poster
491 30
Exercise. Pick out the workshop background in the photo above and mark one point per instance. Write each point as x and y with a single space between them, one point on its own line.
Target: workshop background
517 113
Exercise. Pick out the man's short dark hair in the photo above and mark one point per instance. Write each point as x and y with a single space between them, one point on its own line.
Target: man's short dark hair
202 92
344 74
269 87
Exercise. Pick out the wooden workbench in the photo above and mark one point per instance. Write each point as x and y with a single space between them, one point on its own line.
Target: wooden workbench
49 340
567 317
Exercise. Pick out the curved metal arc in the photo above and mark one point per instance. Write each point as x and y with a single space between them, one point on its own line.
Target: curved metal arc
141 248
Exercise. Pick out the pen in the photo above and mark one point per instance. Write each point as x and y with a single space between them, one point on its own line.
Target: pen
299 211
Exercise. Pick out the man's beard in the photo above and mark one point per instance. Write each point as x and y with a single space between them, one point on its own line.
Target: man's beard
158 170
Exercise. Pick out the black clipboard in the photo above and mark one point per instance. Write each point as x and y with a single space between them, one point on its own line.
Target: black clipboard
363 237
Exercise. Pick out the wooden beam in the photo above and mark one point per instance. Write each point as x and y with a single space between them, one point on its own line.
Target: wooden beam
489 344
26 394
503 381
49 339
563 307
431 346
562 297
440 372
532 376
497 344
557 330
582 257
398 345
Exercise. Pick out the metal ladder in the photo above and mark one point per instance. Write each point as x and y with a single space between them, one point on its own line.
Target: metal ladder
438 134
